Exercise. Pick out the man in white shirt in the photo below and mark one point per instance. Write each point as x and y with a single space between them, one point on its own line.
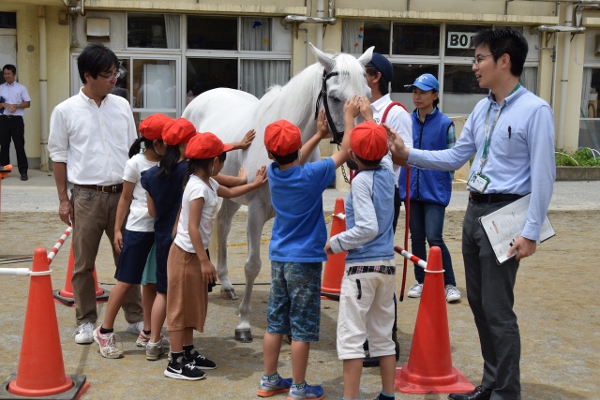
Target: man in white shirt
380 72
90 136
13 100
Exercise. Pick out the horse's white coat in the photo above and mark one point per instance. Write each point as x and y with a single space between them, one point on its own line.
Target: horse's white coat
231 113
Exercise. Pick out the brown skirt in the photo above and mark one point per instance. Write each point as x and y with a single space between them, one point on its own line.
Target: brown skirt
187 294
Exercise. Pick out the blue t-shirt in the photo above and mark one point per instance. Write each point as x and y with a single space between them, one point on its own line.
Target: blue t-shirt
166 194
299 233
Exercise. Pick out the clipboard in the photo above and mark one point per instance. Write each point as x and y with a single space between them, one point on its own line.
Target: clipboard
504 226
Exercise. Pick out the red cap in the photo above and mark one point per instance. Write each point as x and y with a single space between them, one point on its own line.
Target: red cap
151 128
178 131
206 145
282 138
369 141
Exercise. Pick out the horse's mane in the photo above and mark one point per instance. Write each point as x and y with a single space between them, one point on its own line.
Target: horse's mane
299 95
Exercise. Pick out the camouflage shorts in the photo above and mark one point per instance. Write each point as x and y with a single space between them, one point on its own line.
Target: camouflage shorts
295 300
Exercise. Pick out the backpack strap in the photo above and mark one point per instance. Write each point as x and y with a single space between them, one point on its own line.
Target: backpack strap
387 110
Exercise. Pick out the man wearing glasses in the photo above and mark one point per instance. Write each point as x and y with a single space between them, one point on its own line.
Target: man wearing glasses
90 136
511 136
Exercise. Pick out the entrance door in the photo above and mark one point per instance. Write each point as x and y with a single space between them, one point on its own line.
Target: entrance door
8 55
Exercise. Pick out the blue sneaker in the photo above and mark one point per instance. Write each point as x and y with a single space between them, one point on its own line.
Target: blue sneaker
305 391
268 387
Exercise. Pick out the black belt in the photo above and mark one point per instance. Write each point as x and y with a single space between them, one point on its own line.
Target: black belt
492 197
382 269
11 116
104 189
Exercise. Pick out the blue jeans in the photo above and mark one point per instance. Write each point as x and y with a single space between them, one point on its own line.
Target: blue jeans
427 222
295 300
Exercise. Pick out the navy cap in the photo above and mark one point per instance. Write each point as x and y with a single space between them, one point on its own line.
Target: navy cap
425 82
383 65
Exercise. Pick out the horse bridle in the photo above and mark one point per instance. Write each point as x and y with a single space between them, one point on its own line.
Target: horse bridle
337 136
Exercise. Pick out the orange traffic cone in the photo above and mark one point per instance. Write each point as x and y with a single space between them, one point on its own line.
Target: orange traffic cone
429 368
65 295
41 344
334 267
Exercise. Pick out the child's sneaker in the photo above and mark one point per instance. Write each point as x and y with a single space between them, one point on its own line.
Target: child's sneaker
142 339
153 351
183 369
304 391
200 361
107 343
268 387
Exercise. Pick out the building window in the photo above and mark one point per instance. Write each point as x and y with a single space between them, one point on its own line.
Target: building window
458 39
461 90
247 53
418 40
156 31
589 125
8 20
212 33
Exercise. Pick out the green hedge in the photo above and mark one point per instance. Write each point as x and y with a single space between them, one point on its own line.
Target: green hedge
584 157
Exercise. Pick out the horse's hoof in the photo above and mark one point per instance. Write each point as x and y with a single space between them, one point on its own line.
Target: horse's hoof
229 294
243 335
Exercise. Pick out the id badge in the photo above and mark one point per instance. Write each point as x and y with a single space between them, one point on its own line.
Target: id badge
478 182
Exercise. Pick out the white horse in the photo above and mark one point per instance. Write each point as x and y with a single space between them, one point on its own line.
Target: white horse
231 113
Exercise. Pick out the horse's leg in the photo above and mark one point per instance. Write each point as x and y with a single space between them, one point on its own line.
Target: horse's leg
223 226
257 216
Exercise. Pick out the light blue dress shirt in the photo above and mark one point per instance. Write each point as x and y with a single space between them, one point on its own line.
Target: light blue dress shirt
520 155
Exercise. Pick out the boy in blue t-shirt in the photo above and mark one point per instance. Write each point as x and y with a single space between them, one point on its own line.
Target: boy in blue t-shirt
296 249
369 281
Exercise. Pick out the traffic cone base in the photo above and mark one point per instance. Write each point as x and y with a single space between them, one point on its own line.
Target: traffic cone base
78 386
334 267
411 384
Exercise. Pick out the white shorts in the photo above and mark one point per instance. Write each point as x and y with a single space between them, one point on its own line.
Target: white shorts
366 311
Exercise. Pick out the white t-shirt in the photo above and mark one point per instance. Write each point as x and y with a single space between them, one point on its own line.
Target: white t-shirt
399 119
139 220
196 189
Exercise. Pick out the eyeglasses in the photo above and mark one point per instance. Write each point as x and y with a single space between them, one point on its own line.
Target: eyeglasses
479 58
116 75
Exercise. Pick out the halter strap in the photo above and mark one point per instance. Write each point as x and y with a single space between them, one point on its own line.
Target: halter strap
337 136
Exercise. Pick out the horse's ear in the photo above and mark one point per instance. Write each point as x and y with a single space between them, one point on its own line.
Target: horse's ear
366 57
324 59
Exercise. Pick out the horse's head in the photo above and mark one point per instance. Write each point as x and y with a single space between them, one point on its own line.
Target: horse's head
343 77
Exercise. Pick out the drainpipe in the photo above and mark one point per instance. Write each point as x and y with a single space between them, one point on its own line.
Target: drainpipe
44 156
79 8
320 14
565 77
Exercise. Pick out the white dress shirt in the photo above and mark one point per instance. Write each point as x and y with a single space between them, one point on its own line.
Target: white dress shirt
93 141
15 93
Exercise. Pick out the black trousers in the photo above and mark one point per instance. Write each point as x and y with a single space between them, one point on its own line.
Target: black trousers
13 128
490 290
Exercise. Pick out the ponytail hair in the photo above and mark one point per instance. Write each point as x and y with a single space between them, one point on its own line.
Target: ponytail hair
136 147
168 162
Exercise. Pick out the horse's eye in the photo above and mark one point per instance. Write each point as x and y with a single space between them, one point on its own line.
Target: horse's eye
335 99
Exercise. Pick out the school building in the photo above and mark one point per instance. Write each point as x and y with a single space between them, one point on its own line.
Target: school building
171 51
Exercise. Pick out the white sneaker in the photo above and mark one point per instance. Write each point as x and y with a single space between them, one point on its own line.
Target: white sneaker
135 327
452 293
85 333
415 290
154 350
108 344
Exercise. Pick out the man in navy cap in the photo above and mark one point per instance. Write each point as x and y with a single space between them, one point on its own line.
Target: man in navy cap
380 72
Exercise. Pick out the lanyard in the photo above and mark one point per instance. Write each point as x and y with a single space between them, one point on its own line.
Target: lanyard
489 131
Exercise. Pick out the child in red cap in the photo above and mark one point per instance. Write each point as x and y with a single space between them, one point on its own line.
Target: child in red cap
367 294
138 238
296 248
188 266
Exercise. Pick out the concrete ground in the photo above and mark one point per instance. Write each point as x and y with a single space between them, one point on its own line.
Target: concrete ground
556 301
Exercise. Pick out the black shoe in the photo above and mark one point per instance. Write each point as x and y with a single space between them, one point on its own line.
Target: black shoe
24 177
480 393
200 361
183 369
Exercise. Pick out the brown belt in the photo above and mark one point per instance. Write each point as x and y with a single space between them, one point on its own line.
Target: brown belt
105 189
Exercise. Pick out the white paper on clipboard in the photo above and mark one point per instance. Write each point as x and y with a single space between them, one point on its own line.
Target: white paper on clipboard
505 225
